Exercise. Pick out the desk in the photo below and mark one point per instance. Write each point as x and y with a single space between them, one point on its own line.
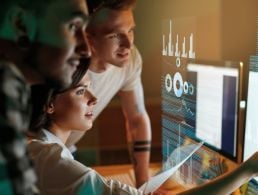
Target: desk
115 172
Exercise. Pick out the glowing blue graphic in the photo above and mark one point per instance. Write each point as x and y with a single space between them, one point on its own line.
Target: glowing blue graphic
175 147
172 105
178 62
168 83
191 53
183 87
178 80
177 52
169 49
186 87
184 54
191 89
188 110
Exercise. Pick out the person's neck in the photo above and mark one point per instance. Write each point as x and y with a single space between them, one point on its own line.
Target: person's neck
98 65
60 133
32 76
10 52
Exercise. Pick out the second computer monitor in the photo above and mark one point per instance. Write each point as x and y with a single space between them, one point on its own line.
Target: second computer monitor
217 89
251 128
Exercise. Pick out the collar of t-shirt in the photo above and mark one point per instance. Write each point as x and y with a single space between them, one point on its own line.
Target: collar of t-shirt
51 138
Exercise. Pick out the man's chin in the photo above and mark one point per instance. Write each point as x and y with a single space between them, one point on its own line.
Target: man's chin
121 63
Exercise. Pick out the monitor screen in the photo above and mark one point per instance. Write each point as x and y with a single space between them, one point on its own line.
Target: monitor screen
216 105
200 102
251 124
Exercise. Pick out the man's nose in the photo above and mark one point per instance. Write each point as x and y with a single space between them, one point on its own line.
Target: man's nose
92 99
126 41
83 47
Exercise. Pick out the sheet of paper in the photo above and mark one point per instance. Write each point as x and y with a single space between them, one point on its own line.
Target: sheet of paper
180 155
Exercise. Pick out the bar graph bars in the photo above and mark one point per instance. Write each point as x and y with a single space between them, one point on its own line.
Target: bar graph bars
173 49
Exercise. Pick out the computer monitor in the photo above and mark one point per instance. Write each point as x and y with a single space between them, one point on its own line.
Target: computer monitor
251 123
206 97
217 100
200 102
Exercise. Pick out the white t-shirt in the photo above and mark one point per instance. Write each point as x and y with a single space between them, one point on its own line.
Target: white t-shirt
107 84
59 174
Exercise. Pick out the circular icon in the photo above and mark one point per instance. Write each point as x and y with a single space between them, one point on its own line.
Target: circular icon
168 83
178 84
178 62
191 89
186 87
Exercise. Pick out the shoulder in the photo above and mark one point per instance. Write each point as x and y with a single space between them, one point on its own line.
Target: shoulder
15 95
55 173
49 156
42 151
9 70
12 82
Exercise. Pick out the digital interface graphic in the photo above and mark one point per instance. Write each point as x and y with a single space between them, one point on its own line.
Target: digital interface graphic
171 49
195 104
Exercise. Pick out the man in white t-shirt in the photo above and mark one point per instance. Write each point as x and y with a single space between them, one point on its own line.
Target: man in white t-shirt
116 69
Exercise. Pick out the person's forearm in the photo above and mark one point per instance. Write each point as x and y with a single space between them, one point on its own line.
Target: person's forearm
141 164
224 184
140 134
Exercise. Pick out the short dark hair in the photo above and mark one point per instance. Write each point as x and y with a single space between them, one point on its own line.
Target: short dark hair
5 4
38 7
42 95
94 5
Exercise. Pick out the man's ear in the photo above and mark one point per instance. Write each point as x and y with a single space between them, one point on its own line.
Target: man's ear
91 40
50 108
23 23
89 37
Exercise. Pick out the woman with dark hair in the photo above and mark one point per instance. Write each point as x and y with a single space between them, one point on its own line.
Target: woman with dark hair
55 113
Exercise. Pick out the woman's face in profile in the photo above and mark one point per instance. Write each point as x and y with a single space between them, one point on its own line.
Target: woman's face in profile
73 109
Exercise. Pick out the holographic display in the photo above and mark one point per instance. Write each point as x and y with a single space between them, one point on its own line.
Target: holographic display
199 103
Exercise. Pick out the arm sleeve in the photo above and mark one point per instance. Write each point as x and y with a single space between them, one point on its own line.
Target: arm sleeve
59 175
15 167
99 185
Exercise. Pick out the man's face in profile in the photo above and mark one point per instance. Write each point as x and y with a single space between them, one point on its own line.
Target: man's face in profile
113 36
60 40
